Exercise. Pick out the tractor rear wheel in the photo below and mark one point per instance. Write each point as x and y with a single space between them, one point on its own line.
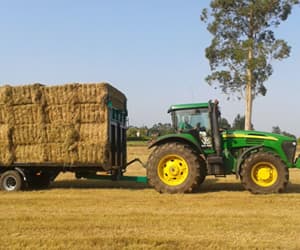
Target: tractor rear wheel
264 173
175 168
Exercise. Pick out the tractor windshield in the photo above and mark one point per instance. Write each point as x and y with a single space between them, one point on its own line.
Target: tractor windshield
197 119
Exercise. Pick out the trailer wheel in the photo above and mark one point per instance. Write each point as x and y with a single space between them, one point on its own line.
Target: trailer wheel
264 173
174 168
10 181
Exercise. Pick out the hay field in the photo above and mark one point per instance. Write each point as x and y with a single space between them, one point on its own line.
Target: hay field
80 214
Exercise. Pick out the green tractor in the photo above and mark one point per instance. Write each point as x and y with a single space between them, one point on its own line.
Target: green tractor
180 162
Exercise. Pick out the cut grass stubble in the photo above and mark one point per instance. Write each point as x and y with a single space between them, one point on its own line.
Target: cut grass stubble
80 214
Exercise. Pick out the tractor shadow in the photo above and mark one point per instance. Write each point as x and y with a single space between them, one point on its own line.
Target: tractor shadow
210 185
216 185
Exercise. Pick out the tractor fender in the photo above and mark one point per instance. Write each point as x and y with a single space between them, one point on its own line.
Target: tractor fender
243 156
182 138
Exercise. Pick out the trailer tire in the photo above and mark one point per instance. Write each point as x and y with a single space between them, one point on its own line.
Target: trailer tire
264 173
174 168
11 181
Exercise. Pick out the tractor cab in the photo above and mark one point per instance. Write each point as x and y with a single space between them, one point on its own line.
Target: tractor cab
196 119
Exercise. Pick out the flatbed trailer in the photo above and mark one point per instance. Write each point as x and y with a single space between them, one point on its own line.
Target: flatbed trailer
46 130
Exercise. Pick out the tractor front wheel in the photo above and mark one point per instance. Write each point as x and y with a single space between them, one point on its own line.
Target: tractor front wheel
264 173
174 168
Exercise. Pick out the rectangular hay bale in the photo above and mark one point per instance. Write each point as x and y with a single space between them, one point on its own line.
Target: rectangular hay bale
92 113
4 133
56 133
34 153
6 114
62 114
56 152
27 94
92 153
6 156
28 114
92 93
29 134
93 133
64 94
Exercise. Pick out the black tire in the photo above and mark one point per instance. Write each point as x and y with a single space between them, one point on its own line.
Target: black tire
39 180
174 168
264 173
11 181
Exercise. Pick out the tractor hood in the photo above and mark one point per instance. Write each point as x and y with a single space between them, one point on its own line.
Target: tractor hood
255 136
282 145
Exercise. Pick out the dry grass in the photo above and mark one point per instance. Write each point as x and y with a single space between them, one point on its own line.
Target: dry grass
80 214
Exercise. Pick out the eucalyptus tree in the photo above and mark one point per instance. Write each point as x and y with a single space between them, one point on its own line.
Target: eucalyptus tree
244 45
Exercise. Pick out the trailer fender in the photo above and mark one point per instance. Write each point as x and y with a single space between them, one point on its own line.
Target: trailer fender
22 173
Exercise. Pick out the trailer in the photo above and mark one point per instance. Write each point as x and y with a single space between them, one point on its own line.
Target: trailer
46 130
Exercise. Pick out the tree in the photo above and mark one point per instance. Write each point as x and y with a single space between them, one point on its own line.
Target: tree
238 122
277 130
161 129
244 44
224 124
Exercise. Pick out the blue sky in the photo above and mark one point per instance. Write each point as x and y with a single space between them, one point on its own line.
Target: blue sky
153 51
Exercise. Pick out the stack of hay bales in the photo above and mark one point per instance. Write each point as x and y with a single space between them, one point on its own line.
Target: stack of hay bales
65 124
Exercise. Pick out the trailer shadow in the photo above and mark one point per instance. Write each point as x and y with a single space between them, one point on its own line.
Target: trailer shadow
96 184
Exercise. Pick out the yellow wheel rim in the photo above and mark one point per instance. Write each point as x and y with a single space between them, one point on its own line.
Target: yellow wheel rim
172 170
264 174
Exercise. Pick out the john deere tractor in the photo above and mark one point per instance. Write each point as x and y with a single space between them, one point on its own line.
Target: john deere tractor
180 162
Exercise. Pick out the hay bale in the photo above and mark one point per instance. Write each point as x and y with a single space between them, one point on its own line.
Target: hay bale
56 133
6 114
6 95
62 114
93 133
92 92
6 155
28 114
34 153
27 94
92 113
57 153
28 134
92 153
4 133
64 94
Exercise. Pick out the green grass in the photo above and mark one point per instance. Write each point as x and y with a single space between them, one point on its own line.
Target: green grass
81 214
